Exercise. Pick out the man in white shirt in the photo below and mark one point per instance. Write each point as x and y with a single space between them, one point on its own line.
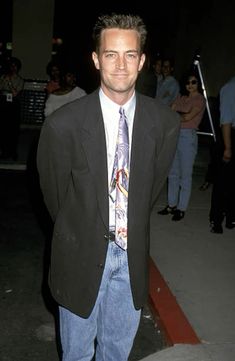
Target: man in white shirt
99 286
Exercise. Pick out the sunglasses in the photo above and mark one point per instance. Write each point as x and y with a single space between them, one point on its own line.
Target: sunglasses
193 82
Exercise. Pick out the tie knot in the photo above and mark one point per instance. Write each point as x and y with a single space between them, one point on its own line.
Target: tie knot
122 112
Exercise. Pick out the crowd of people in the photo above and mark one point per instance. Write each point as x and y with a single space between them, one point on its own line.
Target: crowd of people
186 97
62 87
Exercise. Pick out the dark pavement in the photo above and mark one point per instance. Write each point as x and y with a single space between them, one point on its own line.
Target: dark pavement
27 312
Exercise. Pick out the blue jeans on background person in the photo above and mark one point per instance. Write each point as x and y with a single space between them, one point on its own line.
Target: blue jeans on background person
113 322
180 176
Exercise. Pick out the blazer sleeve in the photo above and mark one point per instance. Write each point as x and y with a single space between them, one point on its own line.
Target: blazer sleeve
53 163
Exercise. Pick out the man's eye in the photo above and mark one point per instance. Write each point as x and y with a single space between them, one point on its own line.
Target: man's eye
131 56
110 55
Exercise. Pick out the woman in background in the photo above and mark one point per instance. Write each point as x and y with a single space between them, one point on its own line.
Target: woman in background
54 73
68 91
191 107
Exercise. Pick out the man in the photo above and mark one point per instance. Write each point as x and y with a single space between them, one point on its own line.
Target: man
227 118
157 66
223 192
147 82
168 89
100 286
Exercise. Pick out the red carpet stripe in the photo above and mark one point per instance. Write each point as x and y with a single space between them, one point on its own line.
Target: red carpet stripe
167 312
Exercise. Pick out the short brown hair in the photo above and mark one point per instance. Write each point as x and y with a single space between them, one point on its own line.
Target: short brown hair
119 21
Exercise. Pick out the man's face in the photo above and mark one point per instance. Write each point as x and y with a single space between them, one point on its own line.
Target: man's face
166 68
70 79
119 60
55 73
158 67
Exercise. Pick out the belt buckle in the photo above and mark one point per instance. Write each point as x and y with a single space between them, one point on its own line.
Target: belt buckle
111 236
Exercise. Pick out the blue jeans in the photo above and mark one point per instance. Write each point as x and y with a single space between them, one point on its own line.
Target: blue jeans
113 322
180 176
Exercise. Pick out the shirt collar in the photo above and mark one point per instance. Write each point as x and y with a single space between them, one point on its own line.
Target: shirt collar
107 103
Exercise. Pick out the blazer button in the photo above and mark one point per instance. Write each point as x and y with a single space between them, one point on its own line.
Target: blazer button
100 265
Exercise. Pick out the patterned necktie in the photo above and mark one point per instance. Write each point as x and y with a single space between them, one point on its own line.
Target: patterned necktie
120 180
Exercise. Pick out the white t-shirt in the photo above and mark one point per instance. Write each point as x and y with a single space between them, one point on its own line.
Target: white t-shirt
55 101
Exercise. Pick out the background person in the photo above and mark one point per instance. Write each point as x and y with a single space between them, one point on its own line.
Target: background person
214 142
11 86
100 286
157 67
191 107
223 191
68 91
54 72
168 88
146 81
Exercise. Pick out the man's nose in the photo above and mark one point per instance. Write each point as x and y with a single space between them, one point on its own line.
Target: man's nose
121 61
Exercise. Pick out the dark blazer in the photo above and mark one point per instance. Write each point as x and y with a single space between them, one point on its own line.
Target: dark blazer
72 165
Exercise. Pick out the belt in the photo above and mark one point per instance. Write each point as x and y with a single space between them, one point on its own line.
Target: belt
112 236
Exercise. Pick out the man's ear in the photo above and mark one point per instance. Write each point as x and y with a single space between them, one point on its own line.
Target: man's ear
95 60
142 61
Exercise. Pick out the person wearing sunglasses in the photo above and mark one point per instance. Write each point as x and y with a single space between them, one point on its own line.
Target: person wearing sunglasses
191 106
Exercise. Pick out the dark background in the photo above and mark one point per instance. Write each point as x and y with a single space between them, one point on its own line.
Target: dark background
178 28
73 24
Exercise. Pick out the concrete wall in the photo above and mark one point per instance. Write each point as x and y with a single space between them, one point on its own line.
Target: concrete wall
32 35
